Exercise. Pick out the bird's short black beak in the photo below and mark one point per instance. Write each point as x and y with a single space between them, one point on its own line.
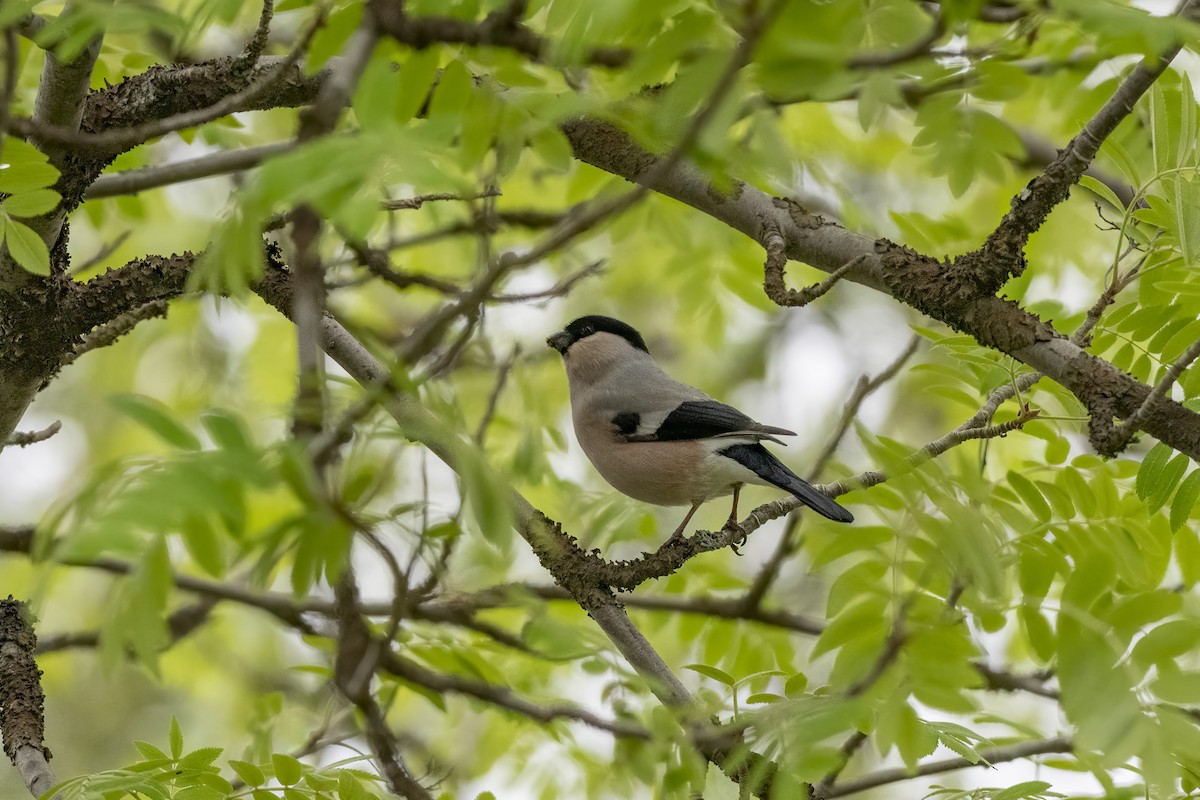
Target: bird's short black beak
560 341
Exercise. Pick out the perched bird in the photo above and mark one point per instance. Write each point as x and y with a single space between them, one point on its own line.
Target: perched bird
661 441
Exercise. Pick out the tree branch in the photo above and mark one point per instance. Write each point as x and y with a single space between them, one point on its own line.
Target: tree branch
501 697
996 755
33 437
139 180
22 725
499 29
1004 248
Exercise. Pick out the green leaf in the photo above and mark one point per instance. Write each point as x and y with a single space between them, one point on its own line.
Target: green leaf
204 544
899 727
416 79
488 498
1187 555
201 758
227 430
26 247
23 167
553 148
150 752
1177 686
1185 500
556 640
288 770
1038 632
1150 472
156 417
31 203
1022 791
250 774
452 93
1101 190
1029 493
795 685
712 672
764 697
176 738
1166 482
1167 641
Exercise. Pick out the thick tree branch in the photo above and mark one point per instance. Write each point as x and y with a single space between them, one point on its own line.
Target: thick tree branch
22 725
923 283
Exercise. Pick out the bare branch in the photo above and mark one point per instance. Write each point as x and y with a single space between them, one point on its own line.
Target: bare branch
995 755
499 696
355 662
139 180
777 290
108 333
410 203
489 412
33 437
104 252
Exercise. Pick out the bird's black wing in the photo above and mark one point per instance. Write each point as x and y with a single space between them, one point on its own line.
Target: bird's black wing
694 419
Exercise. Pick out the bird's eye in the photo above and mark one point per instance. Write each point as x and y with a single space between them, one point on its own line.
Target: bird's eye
588 330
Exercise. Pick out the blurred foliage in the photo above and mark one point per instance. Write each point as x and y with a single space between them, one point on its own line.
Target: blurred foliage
1025 553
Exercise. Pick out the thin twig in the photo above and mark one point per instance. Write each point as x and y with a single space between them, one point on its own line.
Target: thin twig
922 46
773 270
489 412
104 252
139 180
411 203
33 437
1123 432
995 755
108 333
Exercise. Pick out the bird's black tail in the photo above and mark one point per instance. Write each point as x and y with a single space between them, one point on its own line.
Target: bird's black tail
759 460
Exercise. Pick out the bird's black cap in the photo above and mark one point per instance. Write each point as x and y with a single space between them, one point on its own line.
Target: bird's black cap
586 326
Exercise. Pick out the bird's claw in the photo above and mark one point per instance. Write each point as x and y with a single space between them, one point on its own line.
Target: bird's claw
732 526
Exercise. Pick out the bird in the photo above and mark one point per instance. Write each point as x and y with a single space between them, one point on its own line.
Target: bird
661 441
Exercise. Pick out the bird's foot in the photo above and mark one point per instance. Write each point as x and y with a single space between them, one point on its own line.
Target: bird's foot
731 526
